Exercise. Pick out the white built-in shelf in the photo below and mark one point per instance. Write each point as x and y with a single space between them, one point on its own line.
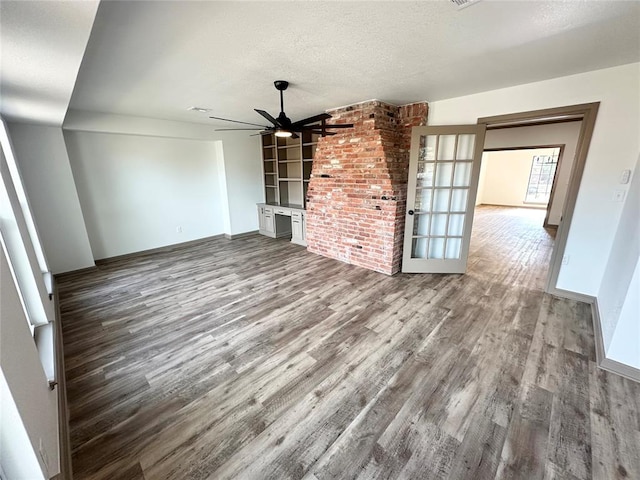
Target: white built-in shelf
287 167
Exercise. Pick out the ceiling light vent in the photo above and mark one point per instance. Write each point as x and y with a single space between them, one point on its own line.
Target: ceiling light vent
198 109
463 3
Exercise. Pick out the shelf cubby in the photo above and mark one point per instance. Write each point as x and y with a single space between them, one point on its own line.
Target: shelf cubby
287 165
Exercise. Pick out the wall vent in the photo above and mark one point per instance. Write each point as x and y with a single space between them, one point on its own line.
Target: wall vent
464 3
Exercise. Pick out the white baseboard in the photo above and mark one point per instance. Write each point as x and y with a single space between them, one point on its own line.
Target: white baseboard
580 297
239 235
602 361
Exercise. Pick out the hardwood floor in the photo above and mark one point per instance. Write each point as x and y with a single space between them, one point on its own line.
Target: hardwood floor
254 359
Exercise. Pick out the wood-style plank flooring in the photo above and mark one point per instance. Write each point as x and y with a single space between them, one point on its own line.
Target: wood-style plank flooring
254 359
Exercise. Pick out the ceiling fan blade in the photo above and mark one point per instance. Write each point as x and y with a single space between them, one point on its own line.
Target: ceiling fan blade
236 121
315 118
320 132
268 117
235 129
320 127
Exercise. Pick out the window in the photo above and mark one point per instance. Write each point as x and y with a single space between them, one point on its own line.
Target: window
543 170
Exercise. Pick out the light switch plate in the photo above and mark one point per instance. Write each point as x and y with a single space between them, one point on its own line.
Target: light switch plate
624 178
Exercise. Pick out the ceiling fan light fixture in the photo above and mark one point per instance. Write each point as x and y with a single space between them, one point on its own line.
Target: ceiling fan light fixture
283 133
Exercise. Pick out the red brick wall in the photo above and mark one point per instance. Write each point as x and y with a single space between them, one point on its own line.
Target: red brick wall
358 189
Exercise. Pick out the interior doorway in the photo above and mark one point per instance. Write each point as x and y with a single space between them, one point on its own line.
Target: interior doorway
516 213
525 177
586 115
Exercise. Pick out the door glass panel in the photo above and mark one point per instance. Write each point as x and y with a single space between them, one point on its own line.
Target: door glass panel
466 144
439 224
436 248
423 200
427 147
425 174
459 199
462 176
441 200
421 224
446 147
419 248
454 245
456 224
443 174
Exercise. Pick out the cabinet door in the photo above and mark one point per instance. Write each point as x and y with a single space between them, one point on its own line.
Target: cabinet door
269 225
296 228
260 218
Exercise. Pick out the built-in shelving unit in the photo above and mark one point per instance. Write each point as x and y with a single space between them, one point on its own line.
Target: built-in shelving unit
287 164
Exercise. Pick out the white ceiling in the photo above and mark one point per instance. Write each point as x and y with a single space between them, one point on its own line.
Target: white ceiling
156 59
41 47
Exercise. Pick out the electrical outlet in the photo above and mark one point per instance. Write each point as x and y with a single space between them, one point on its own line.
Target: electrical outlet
178 229
618 195
565 260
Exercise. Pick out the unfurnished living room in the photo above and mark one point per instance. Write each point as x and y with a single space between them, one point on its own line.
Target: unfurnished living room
320 240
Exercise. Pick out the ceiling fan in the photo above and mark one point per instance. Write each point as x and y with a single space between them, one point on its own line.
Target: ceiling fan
282 126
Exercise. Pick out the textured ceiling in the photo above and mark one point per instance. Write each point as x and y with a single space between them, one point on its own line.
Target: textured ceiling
41 47
156 59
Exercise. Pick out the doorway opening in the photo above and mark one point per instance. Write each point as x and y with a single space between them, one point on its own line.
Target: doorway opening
517 211
527 177
585 114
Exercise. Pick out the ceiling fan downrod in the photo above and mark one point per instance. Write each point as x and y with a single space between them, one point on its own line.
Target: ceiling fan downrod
281 86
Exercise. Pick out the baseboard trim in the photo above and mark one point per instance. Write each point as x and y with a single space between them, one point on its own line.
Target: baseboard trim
240 235
151 251
64 441
602 361
580 297
621 369
71 273
597 332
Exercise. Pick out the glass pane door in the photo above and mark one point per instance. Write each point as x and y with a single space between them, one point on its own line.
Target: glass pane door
443 177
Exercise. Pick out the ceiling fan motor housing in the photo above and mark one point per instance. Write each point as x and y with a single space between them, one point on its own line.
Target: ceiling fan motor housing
283 126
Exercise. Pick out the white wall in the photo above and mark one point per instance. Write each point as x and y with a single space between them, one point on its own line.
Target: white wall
27 393
240 153
506 177
613 296
44 165
614 147
625 343
244 181
17 456
136 191
566 134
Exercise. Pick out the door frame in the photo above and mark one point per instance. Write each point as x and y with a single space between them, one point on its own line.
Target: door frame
587 112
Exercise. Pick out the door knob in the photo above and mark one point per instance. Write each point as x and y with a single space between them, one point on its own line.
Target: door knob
410 212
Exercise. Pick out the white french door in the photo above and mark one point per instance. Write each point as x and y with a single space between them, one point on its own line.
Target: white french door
444 169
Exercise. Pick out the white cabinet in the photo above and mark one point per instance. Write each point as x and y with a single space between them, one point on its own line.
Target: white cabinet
298 228
266 221
260 218
279 221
